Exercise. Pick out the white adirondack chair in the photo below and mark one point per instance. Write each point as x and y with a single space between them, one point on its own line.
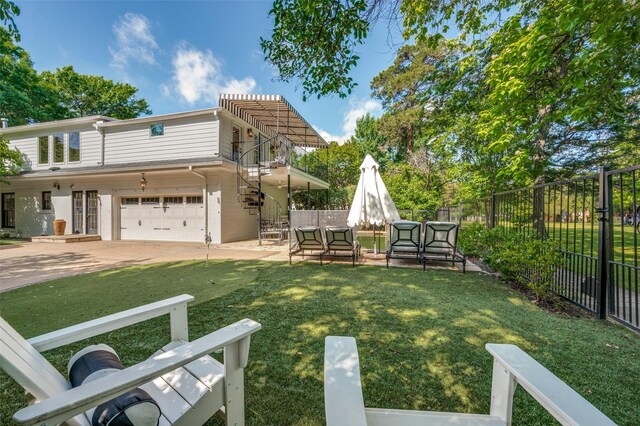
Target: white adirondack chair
188 385
344 404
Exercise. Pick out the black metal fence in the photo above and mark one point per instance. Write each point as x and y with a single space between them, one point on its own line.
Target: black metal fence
595 222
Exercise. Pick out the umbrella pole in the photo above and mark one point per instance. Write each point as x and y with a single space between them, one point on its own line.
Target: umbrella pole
375 247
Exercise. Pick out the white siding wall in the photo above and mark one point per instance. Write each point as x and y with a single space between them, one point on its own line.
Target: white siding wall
237 224
183 138
90 149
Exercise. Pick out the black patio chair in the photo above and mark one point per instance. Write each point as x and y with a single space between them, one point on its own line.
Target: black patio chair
404 240
340 240
440 243
309 242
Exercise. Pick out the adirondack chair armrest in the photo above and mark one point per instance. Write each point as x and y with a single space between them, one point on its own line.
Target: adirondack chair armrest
65 405
175 306
513 366
344 404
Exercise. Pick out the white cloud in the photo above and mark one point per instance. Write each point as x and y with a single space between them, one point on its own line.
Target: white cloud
134 41
198 76
357 109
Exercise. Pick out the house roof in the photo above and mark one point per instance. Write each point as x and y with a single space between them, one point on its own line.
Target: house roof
275 113
55 125
158 118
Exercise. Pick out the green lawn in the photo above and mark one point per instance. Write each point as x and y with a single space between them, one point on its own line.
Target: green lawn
421 335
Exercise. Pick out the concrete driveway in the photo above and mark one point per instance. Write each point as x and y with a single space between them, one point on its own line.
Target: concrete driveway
29 263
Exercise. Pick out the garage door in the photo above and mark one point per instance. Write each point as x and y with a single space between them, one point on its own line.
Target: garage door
170 218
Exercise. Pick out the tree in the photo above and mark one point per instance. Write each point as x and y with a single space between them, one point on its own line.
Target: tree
315 40
370 141
23 97
10 160
83 95
8 10
400 87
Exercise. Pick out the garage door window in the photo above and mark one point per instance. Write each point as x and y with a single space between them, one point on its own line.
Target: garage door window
150 200
173 200
129 201
194 199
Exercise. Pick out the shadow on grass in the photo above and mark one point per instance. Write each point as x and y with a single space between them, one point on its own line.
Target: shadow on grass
421 335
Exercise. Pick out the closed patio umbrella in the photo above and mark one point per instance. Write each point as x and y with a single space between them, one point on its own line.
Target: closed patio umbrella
372 203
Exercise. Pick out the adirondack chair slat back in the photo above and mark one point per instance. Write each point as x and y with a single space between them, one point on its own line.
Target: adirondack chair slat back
405 236
27 366
440 237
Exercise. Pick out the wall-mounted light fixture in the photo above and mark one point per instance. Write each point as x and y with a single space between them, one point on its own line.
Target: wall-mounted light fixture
250 133
56 185
143 182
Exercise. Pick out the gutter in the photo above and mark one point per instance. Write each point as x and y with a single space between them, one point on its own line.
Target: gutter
205 200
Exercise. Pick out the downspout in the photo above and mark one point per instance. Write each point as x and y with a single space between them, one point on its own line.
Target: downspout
205 200
101 131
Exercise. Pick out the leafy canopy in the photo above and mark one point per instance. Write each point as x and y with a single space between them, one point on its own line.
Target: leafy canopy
82 95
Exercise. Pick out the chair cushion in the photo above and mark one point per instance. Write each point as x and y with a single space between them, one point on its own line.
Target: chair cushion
133 408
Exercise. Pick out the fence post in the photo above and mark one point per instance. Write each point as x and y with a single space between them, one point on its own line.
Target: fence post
603 240
460 216
492 218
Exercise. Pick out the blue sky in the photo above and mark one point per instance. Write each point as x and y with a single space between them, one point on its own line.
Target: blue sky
181 54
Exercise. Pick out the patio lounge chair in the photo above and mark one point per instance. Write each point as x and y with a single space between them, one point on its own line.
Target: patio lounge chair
440 243
186 383
404 240
344 404
309 242
340 239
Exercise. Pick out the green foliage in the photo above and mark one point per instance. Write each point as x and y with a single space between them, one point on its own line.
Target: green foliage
519 257
10 160
82 95
370 140
315 41
23 97
410 188
9 10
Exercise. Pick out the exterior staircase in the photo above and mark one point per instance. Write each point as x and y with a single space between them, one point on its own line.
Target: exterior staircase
258 160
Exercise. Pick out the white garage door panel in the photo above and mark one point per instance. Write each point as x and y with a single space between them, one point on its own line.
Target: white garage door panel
168 222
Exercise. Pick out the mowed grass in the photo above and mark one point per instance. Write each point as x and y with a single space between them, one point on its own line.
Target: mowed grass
421 335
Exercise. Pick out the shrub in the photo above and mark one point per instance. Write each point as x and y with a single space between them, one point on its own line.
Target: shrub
517 256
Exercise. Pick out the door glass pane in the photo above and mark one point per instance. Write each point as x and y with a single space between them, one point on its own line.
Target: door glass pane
58 148
74 146
92 212
78 216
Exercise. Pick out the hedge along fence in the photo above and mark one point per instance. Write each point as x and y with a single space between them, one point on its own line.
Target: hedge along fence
592 222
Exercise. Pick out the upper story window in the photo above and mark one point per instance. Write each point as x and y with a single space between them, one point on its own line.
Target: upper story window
58 148
156 129
63 147
46 200
43 150
73 146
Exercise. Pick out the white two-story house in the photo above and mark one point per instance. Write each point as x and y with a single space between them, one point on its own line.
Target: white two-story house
227 172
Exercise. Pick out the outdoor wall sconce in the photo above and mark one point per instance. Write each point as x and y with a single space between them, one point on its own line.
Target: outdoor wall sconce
56 185
143 182
250 133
